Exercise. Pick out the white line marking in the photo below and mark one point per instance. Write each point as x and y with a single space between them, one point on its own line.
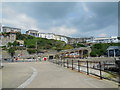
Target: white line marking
28 81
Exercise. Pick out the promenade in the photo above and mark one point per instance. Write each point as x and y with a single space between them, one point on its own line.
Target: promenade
48 75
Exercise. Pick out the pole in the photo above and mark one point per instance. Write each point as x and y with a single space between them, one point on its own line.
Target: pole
100 70
58 61
64 62
78 66
61 61
67 64
114 53
36 49
87 68
72 64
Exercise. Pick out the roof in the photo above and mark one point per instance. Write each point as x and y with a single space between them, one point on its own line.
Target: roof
33 30
113 47
10 27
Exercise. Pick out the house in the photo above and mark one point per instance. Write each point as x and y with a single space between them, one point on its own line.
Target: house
10 29
113 39
113 51
34 33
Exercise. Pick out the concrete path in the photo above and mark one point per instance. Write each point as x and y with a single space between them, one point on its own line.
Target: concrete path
48 75
54 76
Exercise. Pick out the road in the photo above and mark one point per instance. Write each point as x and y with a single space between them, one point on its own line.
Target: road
48 75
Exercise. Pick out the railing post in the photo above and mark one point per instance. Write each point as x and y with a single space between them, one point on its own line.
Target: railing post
87 68
100 70
72 64
61 61
64 62
67 64
78 66
58 61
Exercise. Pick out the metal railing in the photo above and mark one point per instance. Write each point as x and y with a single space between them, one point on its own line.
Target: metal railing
96 68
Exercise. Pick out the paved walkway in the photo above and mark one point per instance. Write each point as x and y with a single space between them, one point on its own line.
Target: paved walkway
49 75
54 76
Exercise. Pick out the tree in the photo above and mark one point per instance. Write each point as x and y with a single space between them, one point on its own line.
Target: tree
67 46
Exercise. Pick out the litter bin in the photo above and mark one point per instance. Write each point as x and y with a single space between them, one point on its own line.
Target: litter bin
45 58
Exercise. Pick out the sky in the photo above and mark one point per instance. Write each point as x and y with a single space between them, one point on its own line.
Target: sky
73 19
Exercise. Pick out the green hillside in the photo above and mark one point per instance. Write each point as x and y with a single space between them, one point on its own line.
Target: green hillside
42 43
100 48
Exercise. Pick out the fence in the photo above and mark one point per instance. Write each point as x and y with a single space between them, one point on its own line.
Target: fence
102 69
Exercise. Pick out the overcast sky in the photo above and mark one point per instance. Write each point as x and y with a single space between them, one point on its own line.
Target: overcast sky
75 19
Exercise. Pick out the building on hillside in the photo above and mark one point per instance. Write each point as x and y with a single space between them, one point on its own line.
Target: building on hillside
113 51
79 40
5 38
21 42
42 35
104 40
10 29
34 33
64 38
47 35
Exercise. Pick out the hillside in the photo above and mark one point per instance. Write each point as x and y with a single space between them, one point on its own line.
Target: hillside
100 48
33 43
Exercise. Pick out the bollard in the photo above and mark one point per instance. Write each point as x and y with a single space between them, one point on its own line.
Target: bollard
78 66
100 70
87 68
72 65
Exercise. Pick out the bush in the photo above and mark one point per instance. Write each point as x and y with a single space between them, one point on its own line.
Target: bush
31 51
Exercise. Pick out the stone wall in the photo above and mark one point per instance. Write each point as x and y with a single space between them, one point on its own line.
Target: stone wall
22 53
5 38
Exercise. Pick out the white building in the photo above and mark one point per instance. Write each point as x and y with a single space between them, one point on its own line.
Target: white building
10 29
36 33
104 40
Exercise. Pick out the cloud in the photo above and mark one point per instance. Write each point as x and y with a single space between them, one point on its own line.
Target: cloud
102 35
17 19
68 18
63 30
